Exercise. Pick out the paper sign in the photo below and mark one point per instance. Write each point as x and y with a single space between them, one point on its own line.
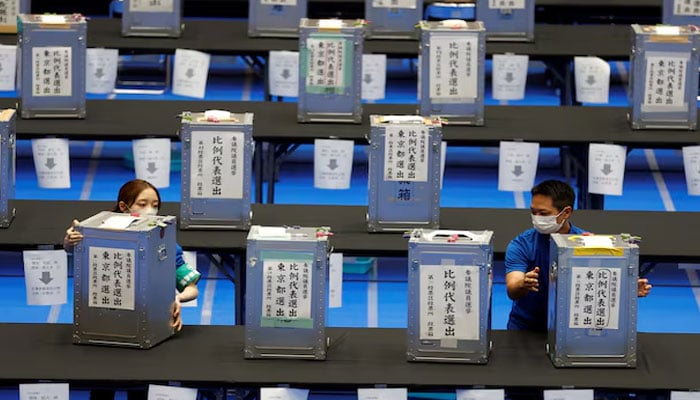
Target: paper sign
286 292
691 166
283 394
327 61
373 76
406 154
507 4
8 67
51 162
216 163
190 73
592 76
606 168
517 166
152 161
333 163
118 222
52 74
163 6
509 76
453 69
9 11
44 391
112 277
573 394
410 4
664 84
686 7
335 280
283 73
45 276
278 2
595 298
190 258
101 72
677 395
382 394
481 394
160 392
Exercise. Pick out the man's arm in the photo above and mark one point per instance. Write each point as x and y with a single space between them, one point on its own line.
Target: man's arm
518 283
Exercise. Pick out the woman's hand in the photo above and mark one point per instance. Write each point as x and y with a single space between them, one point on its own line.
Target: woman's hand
72 236
176 317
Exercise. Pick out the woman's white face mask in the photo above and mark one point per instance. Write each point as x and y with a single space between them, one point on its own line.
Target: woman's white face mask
146 211
547 224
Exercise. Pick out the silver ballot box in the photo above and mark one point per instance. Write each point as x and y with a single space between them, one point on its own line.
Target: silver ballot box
286 292
507 20
217 158
393 19
681 12
592 318
449 296
7 166
330 70
663 77
124 284
277 18
51 65
160 18
9 13
451 71
404 173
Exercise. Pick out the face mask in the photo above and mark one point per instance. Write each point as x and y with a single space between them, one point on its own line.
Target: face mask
144 211
547 224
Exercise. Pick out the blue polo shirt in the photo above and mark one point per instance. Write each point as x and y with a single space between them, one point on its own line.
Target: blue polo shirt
528 250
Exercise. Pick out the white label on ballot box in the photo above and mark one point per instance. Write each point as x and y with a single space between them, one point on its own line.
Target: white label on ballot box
8 12
678 395
283 73
44 391
406 153
509 76
686 7
449 302
162 392
52 73
101 71
691 166
278 2
216 163
595 298
8 67
151 6
328 61
665 82
283 394
411 4
453 68
112 278
507 4
287 285
382 394
606 168
152 160
51 162
481 394
45 275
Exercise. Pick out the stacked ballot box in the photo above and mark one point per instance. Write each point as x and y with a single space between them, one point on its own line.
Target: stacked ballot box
507 20
7 166
404 173
159 18
393 19
681 12
286 292
217 158
592 301
663 77
451 76
449 296
8 14
277 18
124 284
51 65
330 70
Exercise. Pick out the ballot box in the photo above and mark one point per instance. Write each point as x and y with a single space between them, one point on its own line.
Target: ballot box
507 20
277 18
7 166
9 13
449 296
124 283
159 18
681 12
393 19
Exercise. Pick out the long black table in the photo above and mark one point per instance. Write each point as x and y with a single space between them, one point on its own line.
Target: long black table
357 357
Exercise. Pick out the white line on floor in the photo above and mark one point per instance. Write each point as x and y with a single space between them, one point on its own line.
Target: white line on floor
92 170
53 314
247 84
694 283
372 299
659 179
519 198
209 290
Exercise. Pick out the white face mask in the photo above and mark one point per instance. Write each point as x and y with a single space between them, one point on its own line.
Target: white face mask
149 211
547 224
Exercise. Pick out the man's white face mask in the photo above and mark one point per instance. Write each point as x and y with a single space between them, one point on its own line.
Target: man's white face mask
547 224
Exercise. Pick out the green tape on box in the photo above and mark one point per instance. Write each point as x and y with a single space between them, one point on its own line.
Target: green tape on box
296 323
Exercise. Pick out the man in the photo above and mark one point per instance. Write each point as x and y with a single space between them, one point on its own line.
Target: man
527 256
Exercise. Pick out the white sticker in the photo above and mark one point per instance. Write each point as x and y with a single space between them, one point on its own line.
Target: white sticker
691 167
664 82
8 67
570 394
509 76
449 302
45 275
326 60
481 394
278 2
41 391
595 298
216 163
101 71
161 392
409 4
52 71
283 73
382 394
373 76
606 168
151 5
333 163
152 161
283 394
335 280
592 78
286 290
406 153
517 166
507 4
112 278
190 73
686 7
8 12
51 162
453 69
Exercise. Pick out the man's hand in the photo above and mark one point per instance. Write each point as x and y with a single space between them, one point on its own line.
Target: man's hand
643 287
176 317
531 281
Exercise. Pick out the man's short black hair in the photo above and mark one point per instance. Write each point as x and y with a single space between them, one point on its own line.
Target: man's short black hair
561 193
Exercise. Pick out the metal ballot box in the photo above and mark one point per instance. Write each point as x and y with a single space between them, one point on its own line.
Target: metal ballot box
286 292
404 173
592 301
124 284
663 77
9 13
51 65
681 12
330 70
7 166
451 76
393 19
160 18
279 18
507 20
449 296
217 158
